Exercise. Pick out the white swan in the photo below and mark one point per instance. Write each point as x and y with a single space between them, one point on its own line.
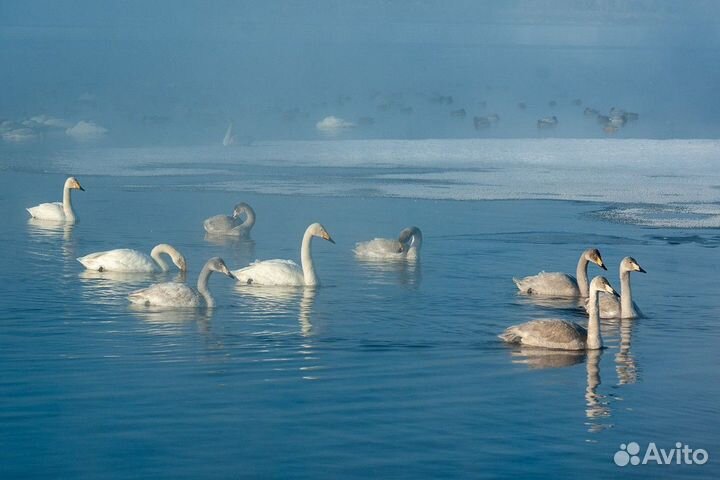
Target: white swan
558 284
407 246
127 260
286 272
58 211
623 307
180 295
561 334
227 225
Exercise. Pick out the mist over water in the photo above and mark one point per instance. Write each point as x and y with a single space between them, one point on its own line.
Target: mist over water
168 73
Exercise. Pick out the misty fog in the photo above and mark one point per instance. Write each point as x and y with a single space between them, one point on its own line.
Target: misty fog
177 73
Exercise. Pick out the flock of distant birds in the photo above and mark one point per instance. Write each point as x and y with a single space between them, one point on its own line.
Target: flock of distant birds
600 299
43 126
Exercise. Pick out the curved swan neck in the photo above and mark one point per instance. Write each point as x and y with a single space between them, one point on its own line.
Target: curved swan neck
249 219
581 276
306 260
67 205
627 310
202 286
155 255
594 339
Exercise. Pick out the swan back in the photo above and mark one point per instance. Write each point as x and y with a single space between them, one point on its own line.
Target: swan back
547 333
166 295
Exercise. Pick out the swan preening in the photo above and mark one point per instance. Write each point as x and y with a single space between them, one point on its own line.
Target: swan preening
623 307
561 334
407 246
231 225
558 284
286 272
127 260
179 294
58 211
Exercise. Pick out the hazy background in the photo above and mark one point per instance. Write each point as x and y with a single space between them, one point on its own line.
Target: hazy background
177 72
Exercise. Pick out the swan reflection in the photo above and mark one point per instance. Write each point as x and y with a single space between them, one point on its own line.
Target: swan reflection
172 321
276 301
625 364
42 230
404 272
597 406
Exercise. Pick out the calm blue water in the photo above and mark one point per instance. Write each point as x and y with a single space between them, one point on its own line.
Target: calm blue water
391 372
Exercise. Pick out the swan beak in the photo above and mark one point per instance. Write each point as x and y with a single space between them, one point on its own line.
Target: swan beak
602 265
641 270
326 236
229 274
80 188
612 291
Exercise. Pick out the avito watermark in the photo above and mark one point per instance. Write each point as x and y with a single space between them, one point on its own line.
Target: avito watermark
680 455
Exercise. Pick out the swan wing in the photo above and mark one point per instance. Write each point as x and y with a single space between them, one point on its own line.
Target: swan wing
219 224
271 272
380 249
547 333
47 211
119 260
553 284
166 295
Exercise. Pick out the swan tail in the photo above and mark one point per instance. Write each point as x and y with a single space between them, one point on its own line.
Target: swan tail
138 297
511 335
522 285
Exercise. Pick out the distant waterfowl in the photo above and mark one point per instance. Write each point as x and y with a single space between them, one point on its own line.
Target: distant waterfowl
459 113
522 105
407 246
556 284
481 123
561 334
286 272
232 225
58 211
127 260
547 122
179 295
623 307
590 112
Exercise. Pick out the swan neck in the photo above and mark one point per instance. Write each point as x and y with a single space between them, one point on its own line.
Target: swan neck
249 219
594 339
307 261
581 275
626 304
202 286
67 205
155 255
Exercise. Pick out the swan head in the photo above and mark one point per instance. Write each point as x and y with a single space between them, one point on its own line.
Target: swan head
73 183
317 230
240 208
629 264
217 264
593 255
179 261
601 284
411 236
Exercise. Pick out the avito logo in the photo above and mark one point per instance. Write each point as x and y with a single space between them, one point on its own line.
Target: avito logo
680 455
